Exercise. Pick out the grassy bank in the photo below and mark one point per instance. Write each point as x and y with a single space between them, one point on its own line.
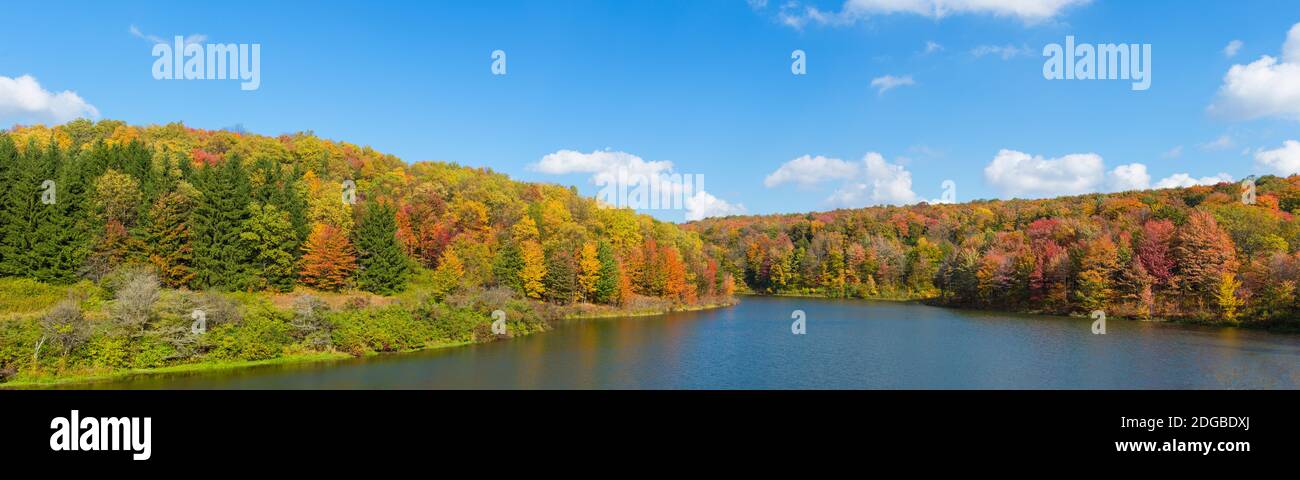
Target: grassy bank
254 329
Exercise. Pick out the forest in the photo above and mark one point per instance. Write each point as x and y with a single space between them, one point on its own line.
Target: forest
113 236
1222 254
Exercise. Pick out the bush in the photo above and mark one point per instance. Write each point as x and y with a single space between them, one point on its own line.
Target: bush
135 299
109 351
64 327
309 322
262 334
387 329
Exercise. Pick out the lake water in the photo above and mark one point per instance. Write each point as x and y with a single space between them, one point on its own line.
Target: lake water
848 344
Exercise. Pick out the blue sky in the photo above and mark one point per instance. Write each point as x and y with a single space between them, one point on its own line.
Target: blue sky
707 86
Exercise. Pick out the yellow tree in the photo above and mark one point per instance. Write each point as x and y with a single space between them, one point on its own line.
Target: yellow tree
534 268
588 270
448 274
1226 295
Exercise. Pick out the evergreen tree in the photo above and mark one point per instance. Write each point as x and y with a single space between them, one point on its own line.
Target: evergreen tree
168 237
561 279
383 266
220 259
65 233
507 265
23 212
607 284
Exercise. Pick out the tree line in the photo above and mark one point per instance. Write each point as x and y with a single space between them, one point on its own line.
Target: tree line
1208 253
232 211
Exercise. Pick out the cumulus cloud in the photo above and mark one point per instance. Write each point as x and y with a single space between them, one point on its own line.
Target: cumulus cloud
1021 174
1178 180
1006 52
1283 161
22 100
890 82
1028 11
609 167
1232 48
1268 87
704 205
870 181
1129 177
808 170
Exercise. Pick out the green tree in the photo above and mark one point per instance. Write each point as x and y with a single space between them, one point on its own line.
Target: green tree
220 257
383 265
168 237
269 236
607 284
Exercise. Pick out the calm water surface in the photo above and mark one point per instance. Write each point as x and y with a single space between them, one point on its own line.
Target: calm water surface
849 344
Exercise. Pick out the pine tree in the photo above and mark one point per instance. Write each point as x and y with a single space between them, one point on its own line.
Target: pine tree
65 233
561 277
23 212
507 265
168 238
269 236
328 259
607 284
383 266
220 259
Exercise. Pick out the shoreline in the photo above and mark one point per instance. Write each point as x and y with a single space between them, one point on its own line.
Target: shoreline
316 357
1278 328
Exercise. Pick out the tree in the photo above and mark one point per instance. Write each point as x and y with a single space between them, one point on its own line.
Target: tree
1204 252
220 257
168 238
1154 251
328 259
561 278
383 266
269 236
589 268
1225 296
675 284
448 274
507 266
607 283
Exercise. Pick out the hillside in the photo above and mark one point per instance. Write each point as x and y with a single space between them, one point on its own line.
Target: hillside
113 237
1204 253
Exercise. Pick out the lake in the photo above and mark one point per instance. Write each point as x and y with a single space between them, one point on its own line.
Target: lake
847 344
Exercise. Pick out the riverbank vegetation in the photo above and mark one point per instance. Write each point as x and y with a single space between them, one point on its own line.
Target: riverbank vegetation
116 240
1221 254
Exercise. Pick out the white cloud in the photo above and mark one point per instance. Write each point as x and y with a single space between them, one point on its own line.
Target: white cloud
871 181
1028 11
1129 177
890 82
932 46
22 100
704 205
1020 174
1173 152
1284 161
1232 48
607 167
1224 142
1267 87
604 165
1007 52
808 170
154 39
1178 180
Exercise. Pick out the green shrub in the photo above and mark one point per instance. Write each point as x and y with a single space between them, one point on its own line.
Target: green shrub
109 351
387 329
262 334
